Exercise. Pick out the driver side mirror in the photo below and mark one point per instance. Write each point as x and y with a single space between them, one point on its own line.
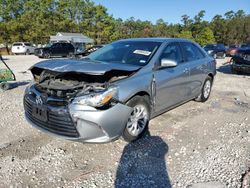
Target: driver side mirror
168 63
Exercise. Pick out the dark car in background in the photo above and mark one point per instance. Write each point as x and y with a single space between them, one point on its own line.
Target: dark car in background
241 60
60 49
89 50
232 50
216 50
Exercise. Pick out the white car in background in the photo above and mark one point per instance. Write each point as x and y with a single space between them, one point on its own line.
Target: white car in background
22 48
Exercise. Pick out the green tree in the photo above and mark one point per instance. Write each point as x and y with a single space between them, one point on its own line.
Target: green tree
206 36
186 35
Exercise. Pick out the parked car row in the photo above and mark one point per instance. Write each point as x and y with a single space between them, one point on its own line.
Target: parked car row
59 49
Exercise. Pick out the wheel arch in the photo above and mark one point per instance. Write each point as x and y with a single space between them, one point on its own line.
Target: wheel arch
140 93
211 75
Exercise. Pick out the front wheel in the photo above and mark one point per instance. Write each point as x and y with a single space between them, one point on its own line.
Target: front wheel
206 90
137 123
27 52
47 55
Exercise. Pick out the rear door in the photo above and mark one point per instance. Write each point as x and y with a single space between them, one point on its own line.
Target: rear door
195 60
54 49
171 84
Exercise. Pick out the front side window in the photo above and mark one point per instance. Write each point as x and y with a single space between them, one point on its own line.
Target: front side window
191 52
126 52
172 52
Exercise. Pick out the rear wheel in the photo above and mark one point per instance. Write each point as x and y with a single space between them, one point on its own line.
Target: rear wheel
27 52
206 90
4 86
137 123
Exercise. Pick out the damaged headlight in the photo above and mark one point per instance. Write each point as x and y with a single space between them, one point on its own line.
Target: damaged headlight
98 99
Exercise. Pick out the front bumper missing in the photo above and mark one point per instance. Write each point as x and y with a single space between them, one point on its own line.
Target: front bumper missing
91 125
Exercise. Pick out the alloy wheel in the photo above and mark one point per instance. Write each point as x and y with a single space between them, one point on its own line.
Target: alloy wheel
138 120
207 89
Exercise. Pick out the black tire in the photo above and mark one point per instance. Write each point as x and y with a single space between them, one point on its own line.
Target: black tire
4 86
47 55
134 102
27 52
204 92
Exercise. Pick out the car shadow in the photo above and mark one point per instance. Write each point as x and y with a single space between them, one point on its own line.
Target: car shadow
143 164
226 69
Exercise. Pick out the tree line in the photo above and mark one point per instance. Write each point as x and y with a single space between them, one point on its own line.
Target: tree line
36 20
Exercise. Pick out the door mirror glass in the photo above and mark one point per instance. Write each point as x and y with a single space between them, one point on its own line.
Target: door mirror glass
168 63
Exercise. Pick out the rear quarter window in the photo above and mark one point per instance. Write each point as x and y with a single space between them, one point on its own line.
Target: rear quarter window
70 46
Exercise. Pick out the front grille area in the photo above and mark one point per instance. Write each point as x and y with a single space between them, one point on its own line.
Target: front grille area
57 123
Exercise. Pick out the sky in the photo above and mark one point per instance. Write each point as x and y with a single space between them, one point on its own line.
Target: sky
171 10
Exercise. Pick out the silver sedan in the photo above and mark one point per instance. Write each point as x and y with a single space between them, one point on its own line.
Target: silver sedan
116 90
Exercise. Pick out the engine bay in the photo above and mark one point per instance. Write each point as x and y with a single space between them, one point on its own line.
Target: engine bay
71 84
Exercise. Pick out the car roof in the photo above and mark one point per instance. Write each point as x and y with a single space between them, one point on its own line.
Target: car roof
157 39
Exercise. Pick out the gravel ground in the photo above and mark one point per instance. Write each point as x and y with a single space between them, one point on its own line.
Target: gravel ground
196 145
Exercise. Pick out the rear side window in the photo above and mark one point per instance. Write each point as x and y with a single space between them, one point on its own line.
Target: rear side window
57 45
172 52
69 46
191 52
220 46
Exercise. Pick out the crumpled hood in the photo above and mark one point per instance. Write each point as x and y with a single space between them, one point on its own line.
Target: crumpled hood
83 66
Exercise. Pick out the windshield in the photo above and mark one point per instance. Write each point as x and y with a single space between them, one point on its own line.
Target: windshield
126 52
17 44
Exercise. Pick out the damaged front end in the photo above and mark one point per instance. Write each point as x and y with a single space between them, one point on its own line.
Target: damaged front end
241 62
77 105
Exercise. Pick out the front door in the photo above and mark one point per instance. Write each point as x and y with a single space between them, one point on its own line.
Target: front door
171 83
